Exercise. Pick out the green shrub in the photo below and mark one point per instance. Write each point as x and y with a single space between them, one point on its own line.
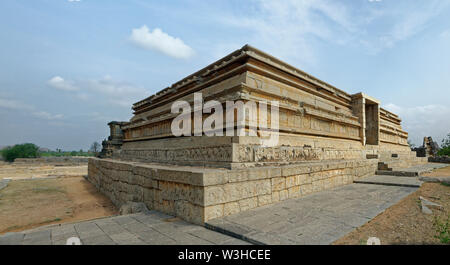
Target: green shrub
445 151
20 151
442 229
445 146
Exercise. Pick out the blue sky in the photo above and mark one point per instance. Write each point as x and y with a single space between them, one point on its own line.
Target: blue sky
68 67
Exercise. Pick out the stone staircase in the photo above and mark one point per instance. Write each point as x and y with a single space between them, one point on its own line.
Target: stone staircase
399 169
400 163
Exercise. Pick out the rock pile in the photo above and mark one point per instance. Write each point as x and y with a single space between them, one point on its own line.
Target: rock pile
428 148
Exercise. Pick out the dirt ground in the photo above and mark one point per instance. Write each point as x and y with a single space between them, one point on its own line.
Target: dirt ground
26 171
404 223
440 172
26 204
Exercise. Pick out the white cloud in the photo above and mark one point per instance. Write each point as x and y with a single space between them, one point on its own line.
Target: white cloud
160 41
59 83
420 121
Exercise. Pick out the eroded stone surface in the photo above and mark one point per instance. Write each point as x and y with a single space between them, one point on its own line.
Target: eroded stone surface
320 218
391 181
152 228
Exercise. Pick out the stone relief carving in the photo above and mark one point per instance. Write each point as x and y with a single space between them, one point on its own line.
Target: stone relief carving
218 153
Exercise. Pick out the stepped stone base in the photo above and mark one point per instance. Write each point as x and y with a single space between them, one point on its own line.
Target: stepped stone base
325 138
198 194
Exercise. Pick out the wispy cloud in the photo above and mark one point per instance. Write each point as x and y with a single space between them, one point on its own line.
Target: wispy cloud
287 28
420 121
104 89
411 22
445 34
290 28
19 106
13 104
47 116
160 41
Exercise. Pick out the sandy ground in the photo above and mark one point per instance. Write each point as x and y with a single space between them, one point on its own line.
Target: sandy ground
404 223
26 171
26 204
441 172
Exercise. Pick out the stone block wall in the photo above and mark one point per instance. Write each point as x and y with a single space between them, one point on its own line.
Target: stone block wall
439 159
57 160
198 194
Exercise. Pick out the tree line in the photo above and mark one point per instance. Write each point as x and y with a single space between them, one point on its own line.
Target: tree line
30 150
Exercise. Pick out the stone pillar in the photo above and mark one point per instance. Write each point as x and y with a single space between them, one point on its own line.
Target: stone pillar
358 108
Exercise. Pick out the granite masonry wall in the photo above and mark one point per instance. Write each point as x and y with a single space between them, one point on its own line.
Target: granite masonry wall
198 194
60 160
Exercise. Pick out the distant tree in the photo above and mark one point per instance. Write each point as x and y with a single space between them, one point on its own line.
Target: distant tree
445 146
27 150
95 147
411 144
446 141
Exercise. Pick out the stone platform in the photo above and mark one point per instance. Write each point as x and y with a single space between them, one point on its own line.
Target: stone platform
198 194
391 181
319 218
153 228
174 161
406 177
412 171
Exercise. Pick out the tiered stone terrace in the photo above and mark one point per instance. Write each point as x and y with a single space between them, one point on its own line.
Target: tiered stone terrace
327 138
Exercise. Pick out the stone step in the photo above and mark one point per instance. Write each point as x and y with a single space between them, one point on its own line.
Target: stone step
389 180
412 171
397 173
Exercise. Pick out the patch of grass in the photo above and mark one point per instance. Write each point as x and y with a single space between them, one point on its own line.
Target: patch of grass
50 221
419 203
66 154
442 229
445 184
12 227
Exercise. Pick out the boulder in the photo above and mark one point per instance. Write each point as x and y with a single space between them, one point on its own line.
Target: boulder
133 207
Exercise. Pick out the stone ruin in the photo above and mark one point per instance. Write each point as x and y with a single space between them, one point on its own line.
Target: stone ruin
429 148
115 139
327 138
